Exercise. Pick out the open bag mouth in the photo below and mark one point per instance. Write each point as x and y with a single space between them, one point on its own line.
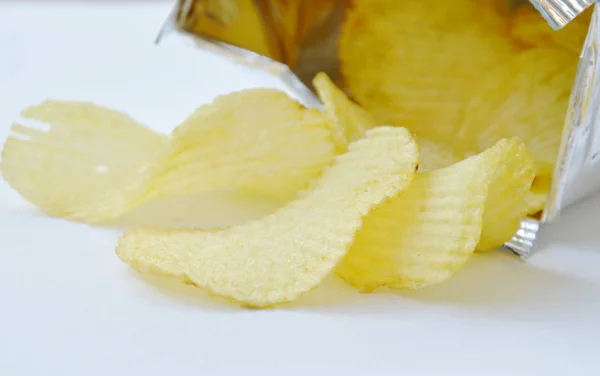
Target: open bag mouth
297 40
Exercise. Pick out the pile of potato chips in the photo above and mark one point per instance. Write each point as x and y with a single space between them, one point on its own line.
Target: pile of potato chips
451 144
463 74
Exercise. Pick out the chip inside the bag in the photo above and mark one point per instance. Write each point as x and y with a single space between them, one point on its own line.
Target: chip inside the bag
280 257
538 194
529 29
414 63
526 97
434 155
348 120
463 75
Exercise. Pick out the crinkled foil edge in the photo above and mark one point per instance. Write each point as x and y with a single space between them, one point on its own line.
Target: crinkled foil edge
578 147
558 13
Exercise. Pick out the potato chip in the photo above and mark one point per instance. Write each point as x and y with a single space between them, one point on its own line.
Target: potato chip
286 254
502 7
413 63
434 155
257 140
96 164
425 234
528 98
530 29
505 205
348 120
538 194
92 165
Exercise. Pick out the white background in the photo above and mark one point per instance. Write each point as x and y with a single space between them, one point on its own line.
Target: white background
68 306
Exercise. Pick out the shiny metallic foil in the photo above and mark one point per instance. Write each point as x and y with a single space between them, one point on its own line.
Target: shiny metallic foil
294 40
558 13
300 34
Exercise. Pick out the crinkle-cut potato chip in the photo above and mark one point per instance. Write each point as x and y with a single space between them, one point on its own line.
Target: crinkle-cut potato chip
538 194
414 63
284 255
434 155
425 234
96 164
528 98
530 29
349 121
258 140
93 164
505 205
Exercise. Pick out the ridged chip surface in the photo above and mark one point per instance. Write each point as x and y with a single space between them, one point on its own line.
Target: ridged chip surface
424 235
286 254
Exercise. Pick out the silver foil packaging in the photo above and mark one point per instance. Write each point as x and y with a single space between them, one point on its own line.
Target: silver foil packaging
558 13
294 40
577 170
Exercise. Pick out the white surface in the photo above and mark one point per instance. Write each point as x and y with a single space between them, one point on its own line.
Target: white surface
70 307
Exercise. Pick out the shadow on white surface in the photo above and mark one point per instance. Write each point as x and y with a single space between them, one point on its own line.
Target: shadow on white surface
496 284
331 293
493 285
500 284
578 226
208 210
178 292
490 285
550 286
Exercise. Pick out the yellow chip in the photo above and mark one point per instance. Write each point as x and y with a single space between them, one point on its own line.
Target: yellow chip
530 29
92 165
426 234
505 205
413 63
96 164
257 140
527 97
348 120
434 155
537 196
286 254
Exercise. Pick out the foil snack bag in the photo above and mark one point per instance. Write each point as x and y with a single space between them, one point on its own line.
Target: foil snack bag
295 40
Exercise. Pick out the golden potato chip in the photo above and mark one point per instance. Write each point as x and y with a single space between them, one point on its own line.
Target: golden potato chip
527 97
414 63
538 194
286 254
425 234
434 155
505 205
96 164
502 7
348 120
258 140
93 164
530 29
